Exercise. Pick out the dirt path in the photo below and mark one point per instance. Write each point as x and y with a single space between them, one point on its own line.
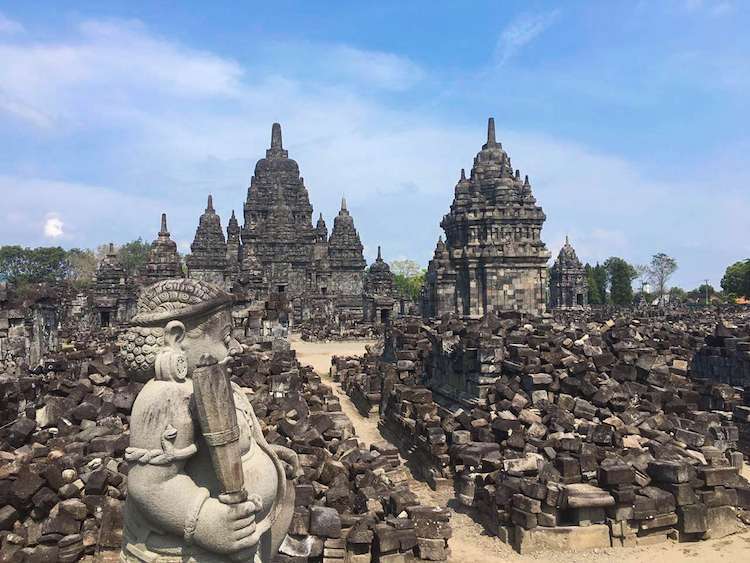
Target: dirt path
470 543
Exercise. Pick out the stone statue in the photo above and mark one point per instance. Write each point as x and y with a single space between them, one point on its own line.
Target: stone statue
181 506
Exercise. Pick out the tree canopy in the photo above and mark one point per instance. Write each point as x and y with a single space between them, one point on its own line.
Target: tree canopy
620 277
33 265
658 272
133 255
736 280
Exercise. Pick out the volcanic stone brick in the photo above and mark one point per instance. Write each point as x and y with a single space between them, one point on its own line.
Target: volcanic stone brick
669 472
26 484
693 518
387 538
325 522
713 476
8 516
683 493
432 550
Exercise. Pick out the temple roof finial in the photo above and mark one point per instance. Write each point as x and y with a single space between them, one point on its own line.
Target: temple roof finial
491 131
163 224
566 240
210 204
343 204
379 256
463 174
276 136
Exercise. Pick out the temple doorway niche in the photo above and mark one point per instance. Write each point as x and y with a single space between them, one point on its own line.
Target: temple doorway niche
384 316
579 299
104 318
281 288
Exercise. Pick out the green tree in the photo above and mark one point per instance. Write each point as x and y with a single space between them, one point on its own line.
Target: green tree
410 286
621 276
407 268
33 265
13 262
82 266
601 278
659 271
133 255
736 280
700 293
677 295
595 295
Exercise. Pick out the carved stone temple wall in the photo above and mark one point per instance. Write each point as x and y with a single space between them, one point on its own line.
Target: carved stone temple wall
493 257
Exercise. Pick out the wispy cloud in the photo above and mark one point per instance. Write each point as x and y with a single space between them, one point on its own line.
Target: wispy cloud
9 26
520 32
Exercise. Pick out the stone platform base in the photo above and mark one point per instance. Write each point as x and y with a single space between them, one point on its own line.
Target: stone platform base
561 538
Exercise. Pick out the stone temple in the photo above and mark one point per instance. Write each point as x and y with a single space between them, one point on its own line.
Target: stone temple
278 250
568 284
493 257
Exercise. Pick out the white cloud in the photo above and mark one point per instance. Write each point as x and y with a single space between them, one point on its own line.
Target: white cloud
53 227
9 26
520 32
385 70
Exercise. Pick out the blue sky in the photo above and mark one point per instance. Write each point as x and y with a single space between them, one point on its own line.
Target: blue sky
630 118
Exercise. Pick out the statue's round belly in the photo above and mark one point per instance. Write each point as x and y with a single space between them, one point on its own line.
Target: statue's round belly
260 477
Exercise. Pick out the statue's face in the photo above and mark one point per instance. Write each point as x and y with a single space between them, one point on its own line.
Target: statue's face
211 336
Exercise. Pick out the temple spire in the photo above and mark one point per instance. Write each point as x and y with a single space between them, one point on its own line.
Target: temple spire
463 174
343 204
210 204
276 136
164 230
567 243
379 256
491 132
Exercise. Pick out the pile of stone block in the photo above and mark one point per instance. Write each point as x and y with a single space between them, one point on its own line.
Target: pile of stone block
352 502
63 481
62 476
571 427
362 382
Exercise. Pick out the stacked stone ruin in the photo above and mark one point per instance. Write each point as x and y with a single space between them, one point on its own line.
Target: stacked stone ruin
565 435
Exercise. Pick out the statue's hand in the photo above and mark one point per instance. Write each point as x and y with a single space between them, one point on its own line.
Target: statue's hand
289 459
227 528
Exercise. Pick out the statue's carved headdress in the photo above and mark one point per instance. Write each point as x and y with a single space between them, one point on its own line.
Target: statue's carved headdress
164 301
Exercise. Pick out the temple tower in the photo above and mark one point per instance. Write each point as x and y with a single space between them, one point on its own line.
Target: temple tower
346 262
114 298
278 220
233 248
380 291
496 259
208 258
163 258
569 287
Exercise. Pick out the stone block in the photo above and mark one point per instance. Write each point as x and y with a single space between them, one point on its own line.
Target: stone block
562 538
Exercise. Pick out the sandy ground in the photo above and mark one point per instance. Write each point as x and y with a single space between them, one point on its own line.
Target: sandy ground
470 543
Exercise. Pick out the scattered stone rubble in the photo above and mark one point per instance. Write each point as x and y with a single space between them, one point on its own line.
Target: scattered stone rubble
63 480
565 435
